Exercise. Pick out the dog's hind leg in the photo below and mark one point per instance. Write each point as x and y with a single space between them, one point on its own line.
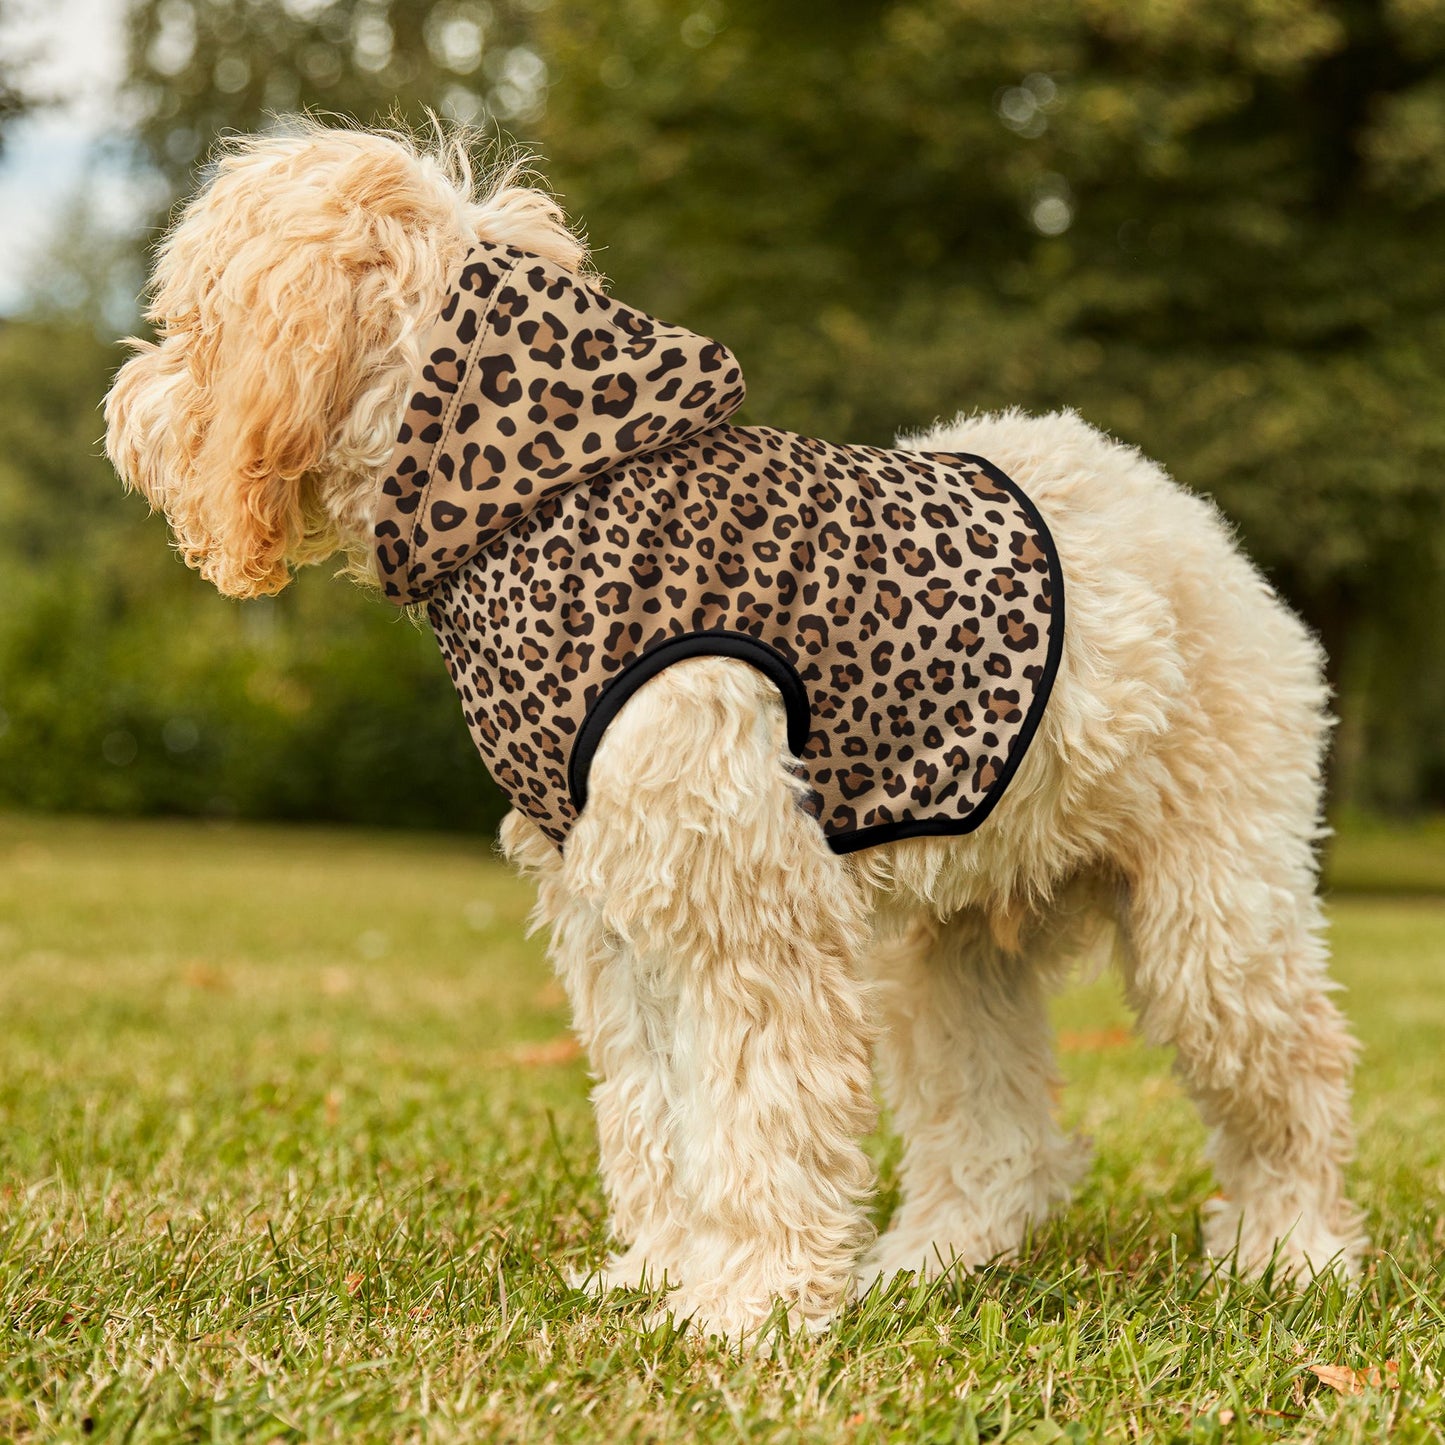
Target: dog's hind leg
1224 950
966 1059
739 932
1225 961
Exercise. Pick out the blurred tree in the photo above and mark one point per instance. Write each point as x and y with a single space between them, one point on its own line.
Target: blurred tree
127 685
199 68
58 495
15 98
1216 229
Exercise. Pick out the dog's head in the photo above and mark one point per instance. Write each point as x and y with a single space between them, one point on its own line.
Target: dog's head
289 301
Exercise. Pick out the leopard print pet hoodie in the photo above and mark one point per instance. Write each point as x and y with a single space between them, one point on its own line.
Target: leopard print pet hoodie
573 506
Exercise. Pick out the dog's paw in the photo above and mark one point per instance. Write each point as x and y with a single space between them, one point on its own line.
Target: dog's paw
966 1228
753 1324
896 1255
632 1270
1297 1248
956 1243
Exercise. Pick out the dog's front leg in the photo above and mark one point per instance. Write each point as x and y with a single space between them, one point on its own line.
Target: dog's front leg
733 971
624 1024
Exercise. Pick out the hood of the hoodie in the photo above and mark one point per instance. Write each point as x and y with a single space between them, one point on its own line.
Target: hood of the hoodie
531 382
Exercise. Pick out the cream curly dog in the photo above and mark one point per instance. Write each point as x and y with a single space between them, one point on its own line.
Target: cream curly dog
733 965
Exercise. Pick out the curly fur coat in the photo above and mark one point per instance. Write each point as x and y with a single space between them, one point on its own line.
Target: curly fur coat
731 976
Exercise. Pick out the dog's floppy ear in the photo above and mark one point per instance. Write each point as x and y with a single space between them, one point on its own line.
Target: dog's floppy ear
275 341
221 423
280 298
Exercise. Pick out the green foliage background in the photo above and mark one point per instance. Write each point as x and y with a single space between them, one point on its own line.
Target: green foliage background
1214 227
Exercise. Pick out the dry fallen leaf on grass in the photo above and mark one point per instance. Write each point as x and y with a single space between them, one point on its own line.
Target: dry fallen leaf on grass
335 982
551 995
1096 1041
202 975
1348 1381
560 1050
354 1283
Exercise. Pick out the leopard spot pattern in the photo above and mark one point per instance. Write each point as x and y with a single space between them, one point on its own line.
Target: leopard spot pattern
570 499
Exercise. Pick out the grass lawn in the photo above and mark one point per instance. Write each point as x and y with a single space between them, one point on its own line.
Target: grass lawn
293 1146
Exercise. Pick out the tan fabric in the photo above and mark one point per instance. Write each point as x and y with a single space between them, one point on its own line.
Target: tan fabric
570 501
